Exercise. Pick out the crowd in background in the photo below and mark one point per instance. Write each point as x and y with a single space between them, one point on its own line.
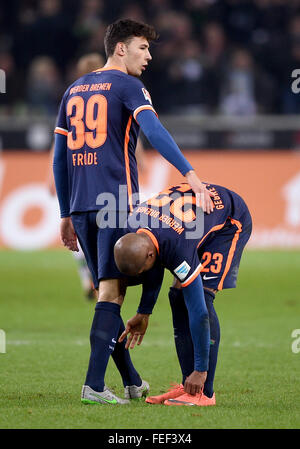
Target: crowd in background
213 56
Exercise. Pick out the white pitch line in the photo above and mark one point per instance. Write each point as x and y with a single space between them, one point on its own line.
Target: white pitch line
157 343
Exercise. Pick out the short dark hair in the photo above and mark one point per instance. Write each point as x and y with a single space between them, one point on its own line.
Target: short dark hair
125 29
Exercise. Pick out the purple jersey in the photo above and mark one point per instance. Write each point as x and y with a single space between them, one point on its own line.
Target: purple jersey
180 231
98 116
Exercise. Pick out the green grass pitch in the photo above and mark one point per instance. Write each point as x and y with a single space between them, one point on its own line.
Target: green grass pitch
47 323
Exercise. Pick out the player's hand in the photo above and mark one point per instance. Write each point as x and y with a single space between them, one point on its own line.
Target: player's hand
135 329
195 382
68 235
203 196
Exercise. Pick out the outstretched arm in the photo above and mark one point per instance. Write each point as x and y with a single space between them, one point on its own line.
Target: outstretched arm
137 325
161 139
200 332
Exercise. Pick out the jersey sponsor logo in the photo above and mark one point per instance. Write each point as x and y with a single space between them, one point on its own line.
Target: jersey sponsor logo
147 95
89 87
182 270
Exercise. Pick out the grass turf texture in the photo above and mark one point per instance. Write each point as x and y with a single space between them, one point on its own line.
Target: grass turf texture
47 324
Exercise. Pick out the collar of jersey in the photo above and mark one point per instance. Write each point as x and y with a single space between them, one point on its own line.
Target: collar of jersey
113 67
152 237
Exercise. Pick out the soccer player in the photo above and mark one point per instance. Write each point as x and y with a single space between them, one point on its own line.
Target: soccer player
203 252
85 64
96 135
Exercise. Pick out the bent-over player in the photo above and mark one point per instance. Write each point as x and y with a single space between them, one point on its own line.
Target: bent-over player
203 252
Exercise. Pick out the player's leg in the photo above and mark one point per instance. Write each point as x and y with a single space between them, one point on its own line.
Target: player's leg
85 275
103 338
123 362
104 331
134 386
107 324
106 316
184 345
183 339
182 336
106 328
120 355
214 324
185 349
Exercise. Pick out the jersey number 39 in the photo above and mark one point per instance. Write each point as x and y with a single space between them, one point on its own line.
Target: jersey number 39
92 116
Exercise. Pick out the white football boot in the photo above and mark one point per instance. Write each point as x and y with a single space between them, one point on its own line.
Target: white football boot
89 396
134 392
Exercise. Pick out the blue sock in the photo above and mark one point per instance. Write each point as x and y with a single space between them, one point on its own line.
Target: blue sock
214 343
122 359
183 339
103 337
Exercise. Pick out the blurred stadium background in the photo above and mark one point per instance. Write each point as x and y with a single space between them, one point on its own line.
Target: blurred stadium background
220 79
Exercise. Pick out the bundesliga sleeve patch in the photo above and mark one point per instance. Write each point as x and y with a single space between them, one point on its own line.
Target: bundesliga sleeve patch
182 270
147 95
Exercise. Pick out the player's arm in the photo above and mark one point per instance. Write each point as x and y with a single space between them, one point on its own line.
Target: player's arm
137 325
161 139
200 332
60 171
151 287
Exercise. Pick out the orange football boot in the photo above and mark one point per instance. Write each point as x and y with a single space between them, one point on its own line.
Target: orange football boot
173 392
187 399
